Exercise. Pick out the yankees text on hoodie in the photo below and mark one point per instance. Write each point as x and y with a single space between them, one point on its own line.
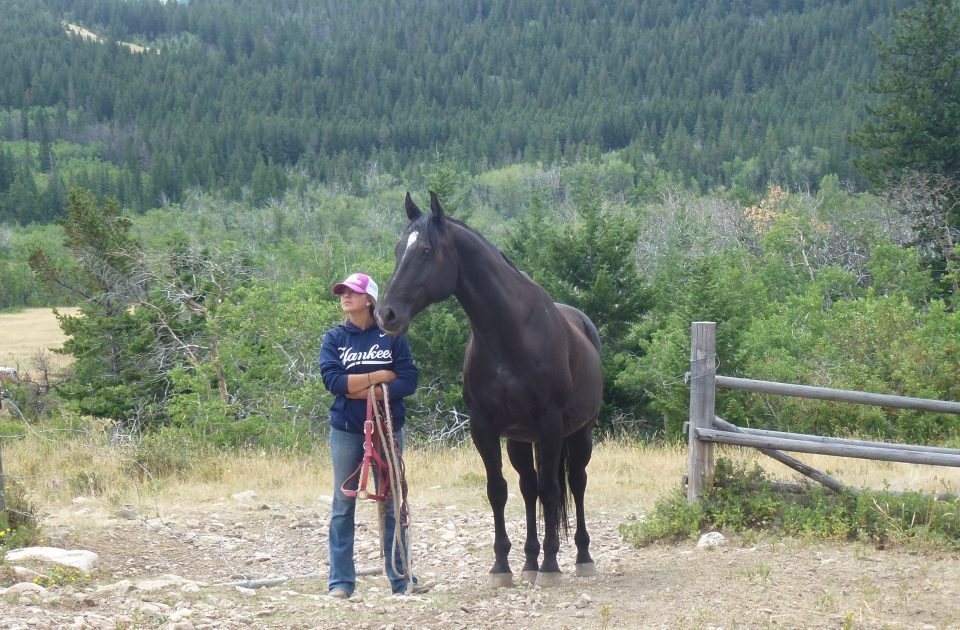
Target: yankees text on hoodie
349 350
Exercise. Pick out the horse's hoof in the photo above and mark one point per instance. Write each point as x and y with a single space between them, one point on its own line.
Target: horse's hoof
547 580
586 569
501 580
529 577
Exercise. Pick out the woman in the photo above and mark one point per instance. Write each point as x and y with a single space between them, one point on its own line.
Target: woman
354 356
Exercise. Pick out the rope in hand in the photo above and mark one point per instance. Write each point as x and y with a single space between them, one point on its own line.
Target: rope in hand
397 479
381 455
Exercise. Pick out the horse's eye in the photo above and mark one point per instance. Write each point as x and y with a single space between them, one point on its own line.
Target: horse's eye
426 252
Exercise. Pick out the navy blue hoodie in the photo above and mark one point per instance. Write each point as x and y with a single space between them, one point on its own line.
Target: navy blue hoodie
348 350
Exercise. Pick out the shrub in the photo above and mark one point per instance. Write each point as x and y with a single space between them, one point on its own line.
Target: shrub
741 500
18 524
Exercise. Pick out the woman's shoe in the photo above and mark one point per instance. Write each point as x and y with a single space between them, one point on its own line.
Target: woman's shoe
338 593
419 588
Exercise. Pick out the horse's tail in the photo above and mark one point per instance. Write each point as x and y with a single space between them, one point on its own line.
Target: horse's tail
563 500
564 490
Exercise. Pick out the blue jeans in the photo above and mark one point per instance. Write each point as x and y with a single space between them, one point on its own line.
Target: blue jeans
346 450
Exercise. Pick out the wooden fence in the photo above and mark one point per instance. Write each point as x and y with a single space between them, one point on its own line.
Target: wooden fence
3 481
705 429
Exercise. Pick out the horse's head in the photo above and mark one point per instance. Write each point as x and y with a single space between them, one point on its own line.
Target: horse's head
425 271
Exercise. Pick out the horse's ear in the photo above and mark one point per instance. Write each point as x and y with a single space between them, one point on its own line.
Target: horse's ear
413 212
438 216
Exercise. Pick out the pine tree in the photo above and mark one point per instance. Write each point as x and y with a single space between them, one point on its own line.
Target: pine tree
8 168
108 341
23 197
916 127
46 146
586 261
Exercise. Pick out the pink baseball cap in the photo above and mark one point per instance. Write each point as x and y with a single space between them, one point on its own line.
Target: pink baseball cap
358 283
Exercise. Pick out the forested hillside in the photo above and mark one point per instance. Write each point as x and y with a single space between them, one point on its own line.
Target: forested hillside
235 95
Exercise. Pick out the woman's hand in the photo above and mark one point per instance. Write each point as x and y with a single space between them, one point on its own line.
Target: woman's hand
360 383
382 376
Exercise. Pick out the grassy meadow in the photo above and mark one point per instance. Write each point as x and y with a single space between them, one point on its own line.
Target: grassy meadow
27 334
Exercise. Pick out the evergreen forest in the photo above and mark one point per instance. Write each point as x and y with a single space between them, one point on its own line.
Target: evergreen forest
197 180
232 95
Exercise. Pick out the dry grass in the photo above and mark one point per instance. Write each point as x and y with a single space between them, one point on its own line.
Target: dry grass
859 473
88 35
28 333
624 478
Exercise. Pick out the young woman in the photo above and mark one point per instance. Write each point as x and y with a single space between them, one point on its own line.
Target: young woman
354 356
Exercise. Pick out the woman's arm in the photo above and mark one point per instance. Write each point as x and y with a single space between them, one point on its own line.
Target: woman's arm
332 372
366 381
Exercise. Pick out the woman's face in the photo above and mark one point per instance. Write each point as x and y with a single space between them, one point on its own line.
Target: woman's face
351 302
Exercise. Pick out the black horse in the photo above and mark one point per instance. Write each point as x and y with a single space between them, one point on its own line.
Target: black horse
531 373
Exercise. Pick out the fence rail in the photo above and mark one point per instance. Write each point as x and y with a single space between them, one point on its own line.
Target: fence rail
838 395
887 454
706 429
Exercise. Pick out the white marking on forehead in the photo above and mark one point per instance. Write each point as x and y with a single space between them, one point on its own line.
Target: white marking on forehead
412 239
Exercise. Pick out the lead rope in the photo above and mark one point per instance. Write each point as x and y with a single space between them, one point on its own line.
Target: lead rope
383 423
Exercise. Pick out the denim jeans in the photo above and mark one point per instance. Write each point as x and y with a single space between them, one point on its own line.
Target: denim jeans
346 450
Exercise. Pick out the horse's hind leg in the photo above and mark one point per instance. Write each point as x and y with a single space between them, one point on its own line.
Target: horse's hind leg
580 448
521 456
488 445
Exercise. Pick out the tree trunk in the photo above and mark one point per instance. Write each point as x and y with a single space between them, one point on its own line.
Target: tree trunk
218 368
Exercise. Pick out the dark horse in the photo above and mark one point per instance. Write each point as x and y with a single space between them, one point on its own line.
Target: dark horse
531 373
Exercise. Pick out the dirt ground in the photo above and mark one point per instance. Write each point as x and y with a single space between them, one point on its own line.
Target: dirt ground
181 571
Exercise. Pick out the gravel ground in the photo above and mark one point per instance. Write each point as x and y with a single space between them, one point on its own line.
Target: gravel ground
181 571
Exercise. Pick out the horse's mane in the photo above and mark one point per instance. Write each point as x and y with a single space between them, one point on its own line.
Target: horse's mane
430 228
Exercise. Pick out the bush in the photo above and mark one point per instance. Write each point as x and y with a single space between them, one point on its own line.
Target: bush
741 500
18 524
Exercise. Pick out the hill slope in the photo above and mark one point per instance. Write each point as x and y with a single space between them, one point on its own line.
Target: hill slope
725 92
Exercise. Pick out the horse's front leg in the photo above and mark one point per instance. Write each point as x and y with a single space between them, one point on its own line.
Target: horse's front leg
488 445
521 456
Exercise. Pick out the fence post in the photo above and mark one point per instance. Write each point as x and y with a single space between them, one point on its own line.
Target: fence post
703 362
3 496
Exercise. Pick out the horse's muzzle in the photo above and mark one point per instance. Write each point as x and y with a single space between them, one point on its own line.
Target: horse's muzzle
389 322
